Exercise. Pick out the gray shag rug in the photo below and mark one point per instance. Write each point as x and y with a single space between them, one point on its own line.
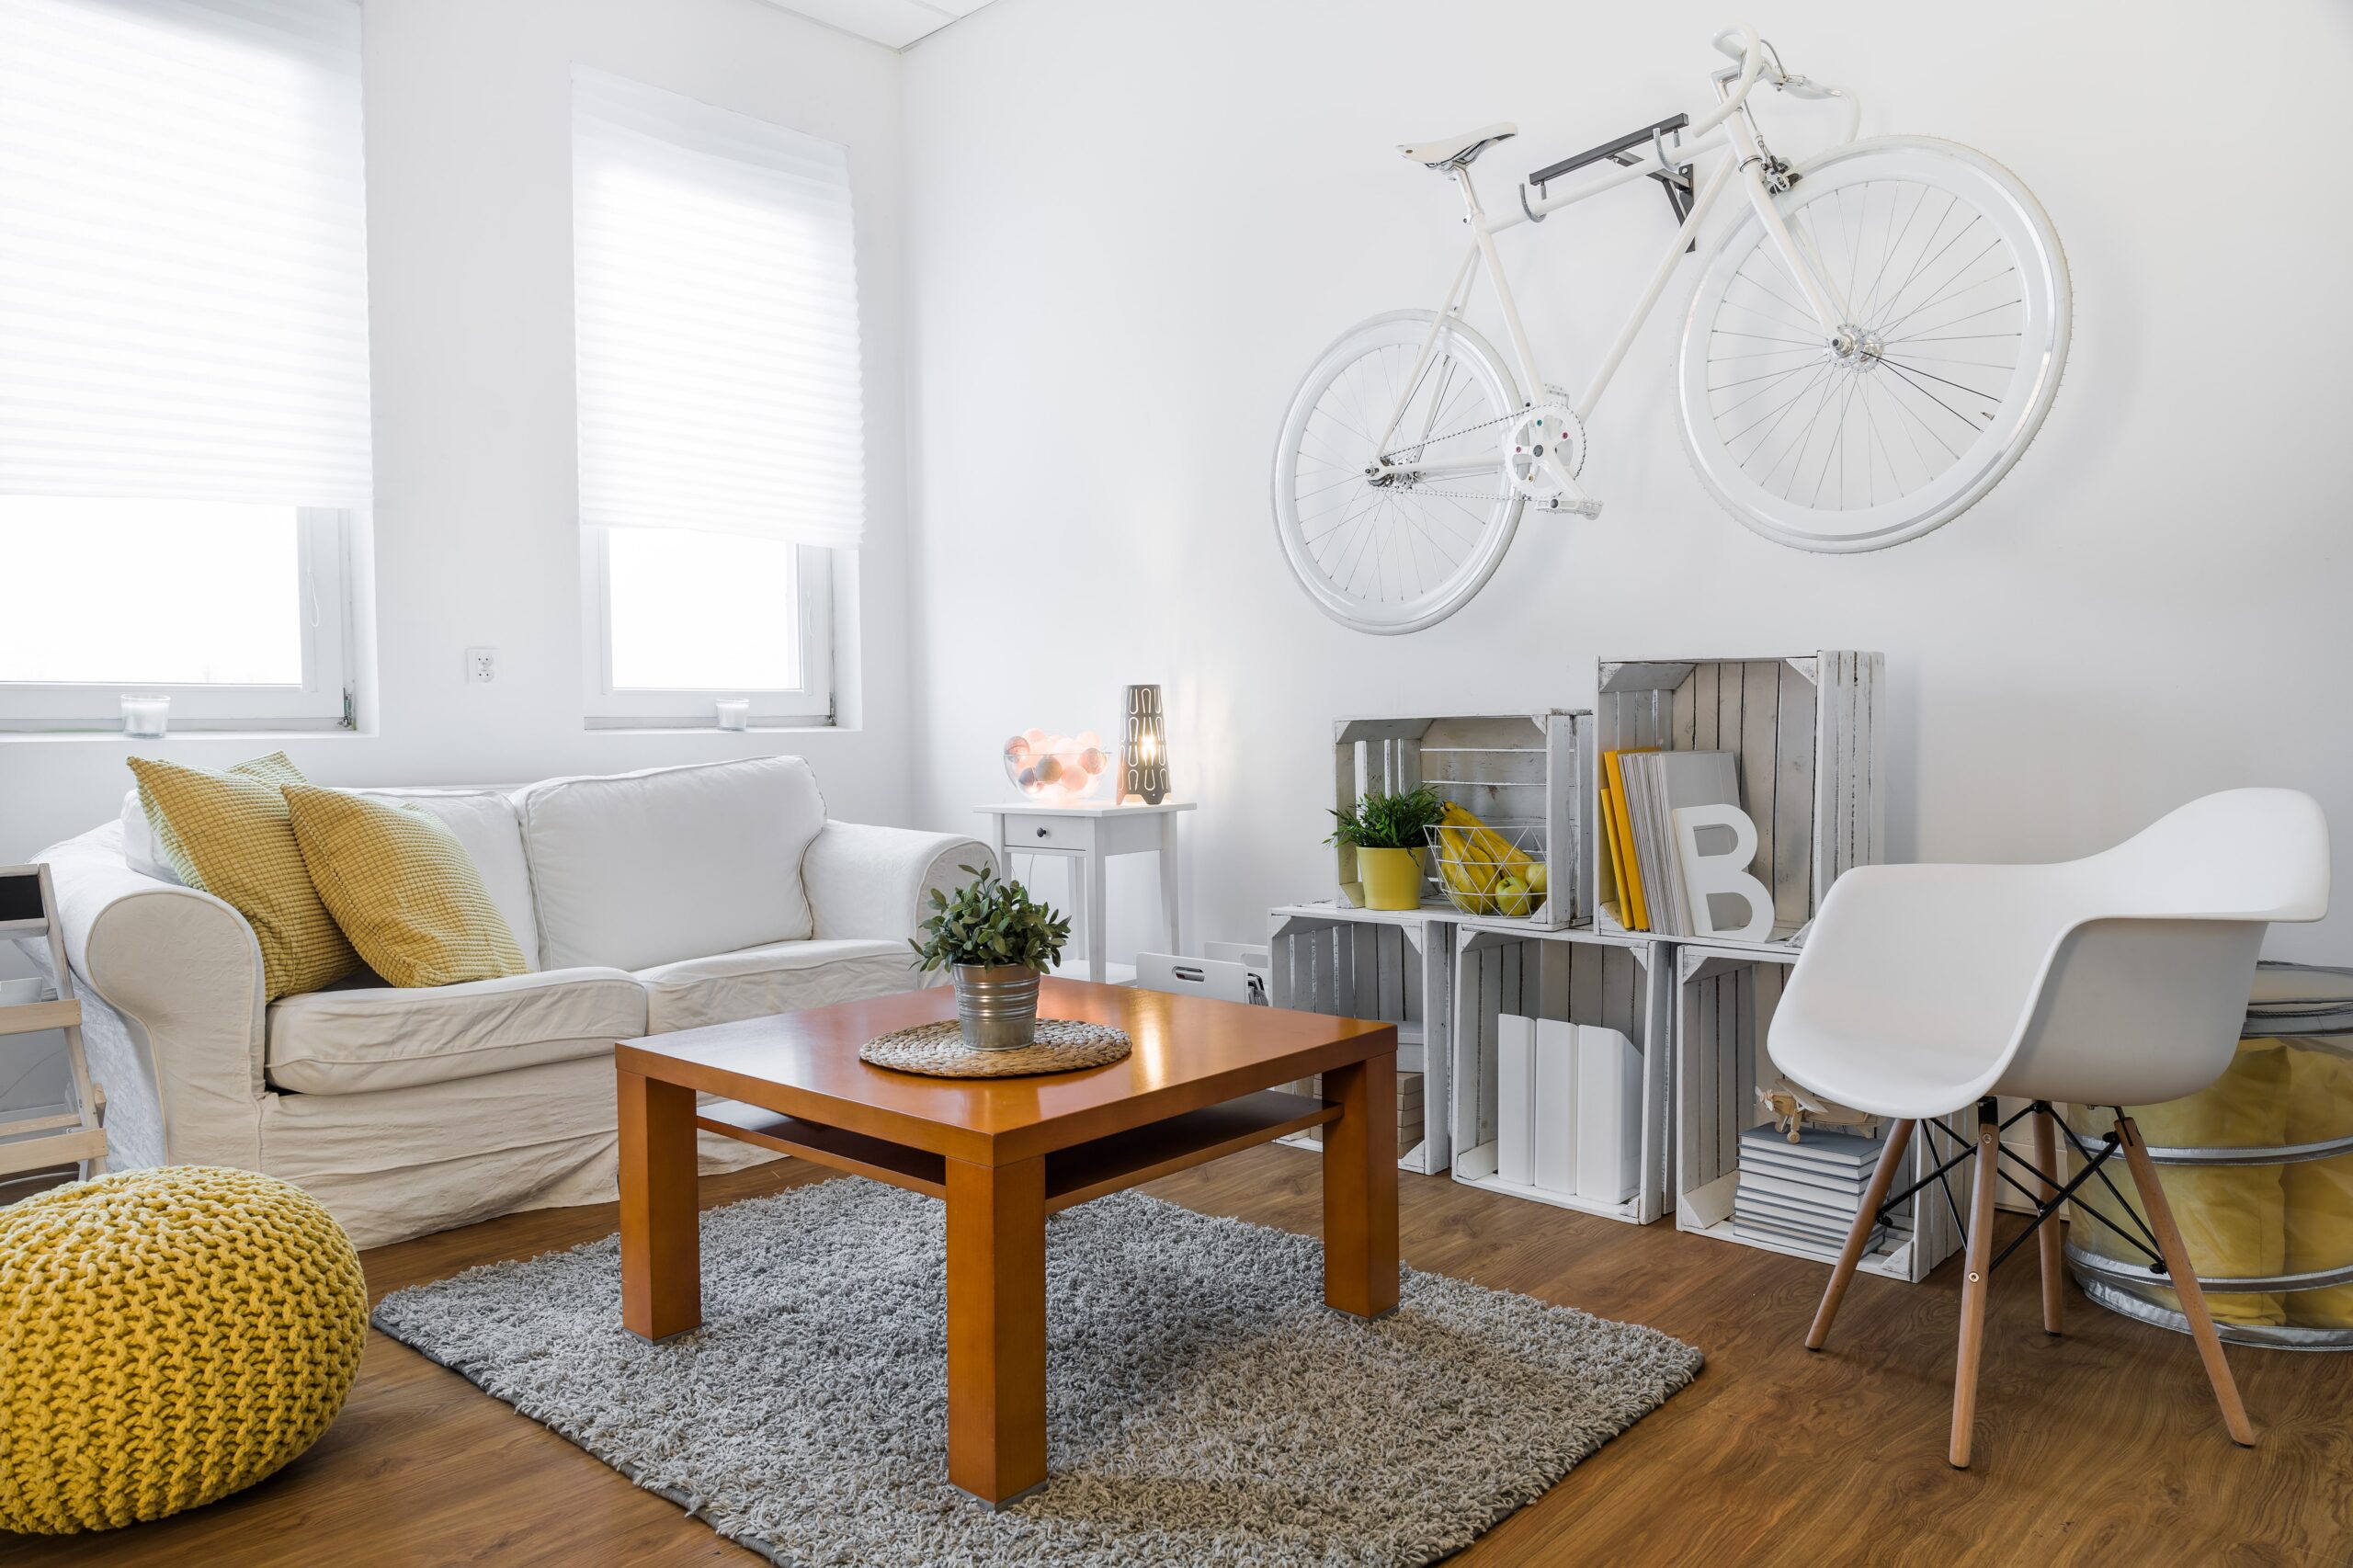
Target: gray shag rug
1202 1404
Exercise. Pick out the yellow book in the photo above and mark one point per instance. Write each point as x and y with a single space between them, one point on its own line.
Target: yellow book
1633 910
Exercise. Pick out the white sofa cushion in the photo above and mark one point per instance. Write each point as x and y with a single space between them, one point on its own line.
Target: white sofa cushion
779 977
643 869
490 830
347 1039
138 842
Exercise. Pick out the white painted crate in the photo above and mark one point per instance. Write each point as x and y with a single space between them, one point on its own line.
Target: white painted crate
1809 737
1391 966
1724 1000
1510 770
1583 977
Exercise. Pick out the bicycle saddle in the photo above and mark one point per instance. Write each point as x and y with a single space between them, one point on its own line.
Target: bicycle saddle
1454 151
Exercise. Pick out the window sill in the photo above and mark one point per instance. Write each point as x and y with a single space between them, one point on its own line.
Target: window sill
656 727
180 733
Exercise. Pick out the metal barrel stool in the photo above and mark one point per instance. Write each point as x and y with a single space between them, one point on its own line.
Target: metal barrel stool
2259 1172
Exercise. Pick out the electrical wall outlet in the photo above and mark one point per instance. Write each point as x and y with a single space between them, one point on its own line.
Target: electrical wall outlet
482 665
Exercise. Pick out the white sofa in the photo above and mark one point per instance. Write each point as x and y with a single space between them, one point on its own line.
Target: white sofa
648 901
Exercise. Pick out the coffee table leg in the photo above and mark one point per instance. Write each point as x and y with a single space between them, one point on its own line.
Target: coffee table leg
996 1328
1360 1188
661 1231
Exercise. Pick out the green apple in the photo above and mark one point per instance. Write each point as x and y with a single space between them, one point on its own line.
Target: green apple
1511 897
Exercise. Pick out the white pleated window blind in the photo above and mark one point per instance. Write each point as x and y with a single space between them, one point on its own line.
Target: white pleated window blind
716 289
183 260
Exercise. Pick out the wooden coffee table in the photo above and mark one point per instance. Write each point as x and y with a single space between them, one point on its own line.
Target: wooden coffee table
1004 1154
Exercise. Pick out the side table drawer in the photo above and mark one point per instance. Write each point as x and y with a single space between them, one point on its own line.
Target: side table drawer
1023 833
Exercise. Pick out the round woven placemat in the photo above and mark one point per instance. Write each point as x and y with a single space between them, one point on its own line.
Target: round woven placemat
937 1050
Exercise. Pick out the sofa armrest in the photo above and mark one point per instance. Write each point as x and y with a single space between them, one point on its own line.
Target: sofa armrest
876 882
183 973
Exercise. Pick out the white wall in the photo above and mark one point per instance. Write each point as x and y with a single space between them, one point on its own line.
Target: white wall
469 264
1133 226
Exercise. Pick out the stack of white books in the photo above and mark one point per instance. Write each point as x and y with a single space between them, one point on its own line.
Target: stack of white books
1804 1194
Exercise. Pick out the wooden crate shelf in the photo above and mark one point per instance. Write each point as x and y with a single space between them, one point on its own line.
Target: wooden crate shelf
1581 977
1808 733
1723 1011
1518 773
1388 966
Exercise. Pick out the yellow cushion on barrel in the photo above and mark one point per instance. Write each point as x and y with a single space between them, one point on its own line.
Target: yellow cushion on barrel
2319 1192
2233 1218
403 888
228 835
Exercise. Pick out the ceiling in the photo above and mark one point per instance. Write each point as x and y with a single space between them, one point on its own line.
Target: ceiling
893 23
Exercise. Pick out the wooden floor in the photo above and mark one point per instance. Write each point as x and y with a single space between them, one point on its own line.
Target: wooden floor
2101 1448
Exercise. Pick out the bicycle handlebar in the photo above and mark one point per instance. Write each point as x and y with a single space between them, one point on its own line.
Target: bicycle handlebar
1746 49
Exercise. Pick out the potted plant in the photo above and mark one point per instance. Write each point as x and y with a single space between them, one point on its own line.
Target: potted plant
1388 832
996 940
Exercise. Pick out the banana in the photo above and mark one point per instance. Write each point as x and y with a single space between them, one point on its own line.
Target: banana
1475 861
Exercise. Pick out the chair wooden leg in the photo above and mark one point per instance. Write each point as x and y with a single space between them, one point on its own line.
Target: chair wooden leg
2184 1279
2046 1163
1890 1159
1974 1283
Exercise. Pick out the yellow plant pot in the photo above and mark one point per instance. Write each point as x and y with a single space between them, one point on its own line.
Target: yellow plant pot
1393 877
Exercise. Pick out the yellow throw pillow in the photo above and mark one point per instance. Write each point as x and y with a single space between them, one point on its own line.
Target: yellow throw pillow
274 769
228 835
403 888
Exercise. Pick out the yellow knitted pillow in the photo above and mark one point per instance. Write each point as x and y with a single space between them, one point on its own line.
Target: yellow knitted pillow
274 769
403 888
228 835
166 1337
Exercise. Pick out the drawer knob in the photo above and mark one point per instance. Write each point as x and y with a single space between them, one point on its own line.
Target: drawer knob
1041 832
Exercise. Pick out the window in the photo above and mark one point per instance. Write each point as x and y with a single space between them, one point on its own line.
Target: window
722 442
184 391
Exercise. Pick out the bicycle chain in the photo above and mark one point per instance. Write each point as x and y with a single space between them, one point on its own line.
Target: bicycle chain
1469 430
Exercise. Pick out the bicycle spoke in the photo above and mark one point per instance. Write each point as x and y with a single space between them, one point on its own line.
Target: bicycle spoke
1783 376
1894 248
1952 287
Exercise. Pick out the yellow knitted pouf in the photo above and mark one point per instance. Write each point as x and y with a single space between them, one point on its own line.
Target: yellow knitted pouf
166 1337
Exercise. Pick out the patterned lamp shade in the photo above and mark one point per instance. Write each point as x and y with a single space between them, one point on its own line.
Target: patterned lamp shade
1144 758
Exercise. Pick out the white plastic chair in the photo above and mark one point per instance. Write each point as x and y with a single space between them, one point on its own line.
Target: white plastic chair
2115 980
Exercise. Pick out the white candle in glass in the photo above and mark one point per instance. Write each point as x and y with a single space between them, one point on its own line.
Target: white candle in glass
735 712
146 716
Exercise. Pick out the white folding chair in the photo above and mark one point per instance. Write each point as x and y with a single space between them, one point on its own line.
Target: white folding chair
2115 980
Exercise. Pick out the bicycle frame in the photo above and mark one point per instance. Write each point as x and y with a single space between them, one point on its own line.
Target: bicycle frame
1728 129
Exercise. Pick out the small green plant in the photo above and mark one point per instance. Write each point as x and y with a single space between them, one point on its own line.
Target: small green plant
1390 821
988 922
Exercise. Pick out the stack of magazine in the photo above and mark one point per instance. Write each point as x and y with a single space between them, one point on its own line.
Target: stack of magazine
1804 1194
1641 790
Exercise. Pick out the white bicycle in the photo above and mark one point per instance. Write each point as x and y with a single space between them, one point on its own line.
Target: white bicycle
1869 348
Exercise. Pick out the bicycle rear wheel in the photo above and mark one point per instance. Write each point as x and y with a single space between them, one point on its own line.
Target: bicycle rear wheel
1395 554
1960 310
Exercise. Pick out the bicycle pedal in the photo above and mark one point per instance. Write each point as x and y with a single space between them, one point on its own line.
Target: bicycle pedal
1588 508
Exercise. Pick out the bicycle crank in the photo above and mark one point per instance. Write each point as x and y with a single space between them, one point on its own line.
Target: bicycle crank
1543 454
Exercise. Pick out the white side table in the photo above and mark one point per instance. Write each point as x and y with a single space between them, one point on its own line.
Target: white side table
1091 834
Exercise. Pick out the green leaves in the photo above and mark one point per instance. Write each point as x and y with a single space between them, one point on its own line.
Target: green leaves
990 922
1390 821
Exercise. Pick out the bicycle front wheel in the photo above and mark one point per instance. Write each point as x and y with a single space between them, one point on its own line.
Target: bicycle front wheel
1380 543
1959 309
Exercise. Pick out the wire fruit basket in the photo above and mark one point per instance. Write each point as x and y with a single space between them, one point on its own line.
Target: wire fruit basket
1492 871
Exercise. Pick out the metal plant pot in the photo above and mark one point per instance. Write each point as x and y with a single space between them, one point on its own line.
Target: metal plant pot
997 1006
